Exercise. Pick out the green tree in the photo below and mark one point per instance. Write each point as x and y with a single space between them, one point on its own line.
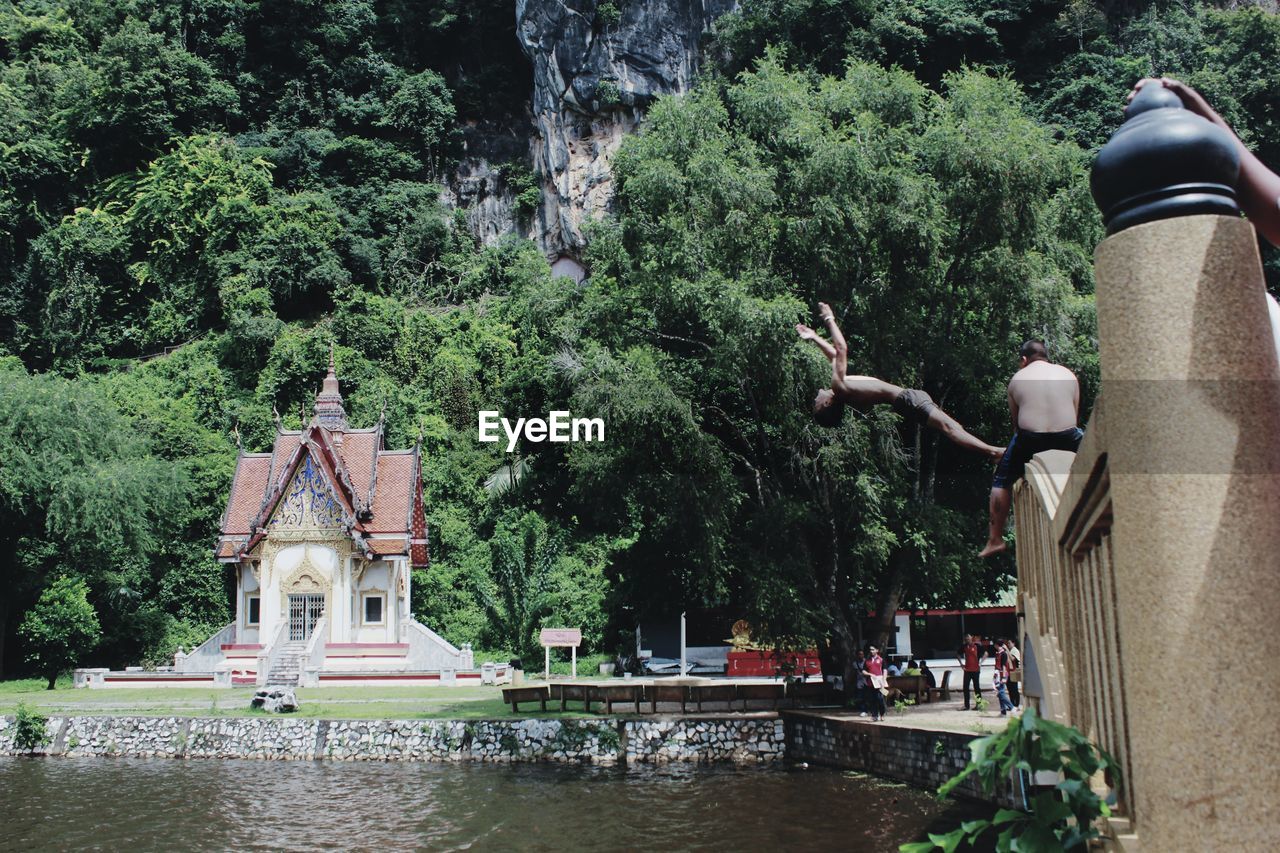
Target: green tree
79 490
422 107
524 550
61 628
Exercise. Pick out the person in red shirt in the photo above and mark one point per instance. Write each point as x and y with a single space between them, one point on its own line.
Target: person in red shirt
873 669
970 658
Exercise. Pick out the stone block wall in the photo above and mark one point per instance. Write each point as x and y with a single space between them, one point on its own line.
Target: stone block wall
606 741
924 758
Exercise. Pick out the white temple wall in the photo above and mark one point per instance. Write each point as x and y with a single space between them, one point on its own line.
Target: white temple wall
375 583
246 588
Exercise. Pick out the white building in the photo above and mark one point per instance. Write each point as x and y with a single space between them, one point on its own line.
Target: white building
324 533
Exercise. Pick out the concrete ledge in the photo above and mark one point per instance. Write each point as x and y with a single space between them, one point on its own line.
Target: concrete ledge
924 758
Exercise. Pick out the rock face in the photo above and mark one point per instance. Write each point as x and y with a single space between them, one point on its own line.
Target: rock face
276 700
477 186
596 67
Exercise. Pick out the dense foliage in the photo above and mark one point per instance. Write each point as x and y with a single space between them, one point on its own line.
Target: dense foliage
196 198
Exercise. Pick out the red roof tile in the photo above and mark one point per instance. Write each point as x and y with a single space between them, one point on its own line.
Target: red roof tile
248 488
394 477
394 492
386 546
359 450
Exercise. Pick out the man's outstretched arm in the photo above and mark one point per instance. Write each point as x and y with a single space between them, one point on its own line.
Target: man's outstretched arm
1259 188
807 334
840 362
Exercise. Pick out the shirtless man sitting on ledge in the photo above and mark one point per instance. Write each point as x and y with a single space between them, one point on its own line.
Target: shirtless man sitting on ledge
1044 400
863 391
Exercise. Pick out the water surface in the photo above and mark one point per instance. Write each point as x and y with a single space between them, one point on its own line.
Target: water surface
159 804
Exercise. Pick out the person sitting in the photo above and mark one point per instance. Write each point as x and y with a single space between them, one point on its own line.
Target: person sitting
894 670
929 677
1044 402
864 391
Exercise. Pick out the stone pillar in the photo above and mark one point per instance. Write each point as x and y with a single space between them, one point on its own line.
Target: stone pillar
1192 393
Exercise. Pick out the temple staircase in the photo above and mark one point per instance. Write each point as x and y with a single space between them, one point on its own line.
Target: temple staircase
288 666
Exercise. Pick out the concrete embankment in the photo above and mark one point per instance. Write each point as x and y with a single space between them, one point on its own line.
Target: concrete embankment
750 740
921 757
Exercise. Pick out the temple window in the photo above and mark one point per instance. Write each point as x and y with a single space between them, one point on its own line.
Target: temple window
254 608
373 609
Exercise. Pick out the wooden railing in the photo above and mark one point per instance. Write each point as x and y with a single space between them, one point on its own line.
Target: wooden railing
1066 590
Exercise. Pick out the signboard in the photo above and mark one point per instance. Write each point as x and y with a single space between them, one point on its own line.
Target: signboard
560 637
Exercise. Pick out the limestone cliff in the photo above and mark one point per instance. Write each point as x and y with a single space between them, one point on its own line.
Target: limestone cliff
596 67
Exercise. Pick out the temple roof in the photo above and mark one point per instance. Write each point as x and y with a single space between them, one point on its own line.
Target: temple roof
377 492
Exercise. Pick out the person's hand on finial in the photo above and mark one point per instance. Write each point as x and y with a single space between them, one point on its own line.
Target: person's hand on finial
1191 99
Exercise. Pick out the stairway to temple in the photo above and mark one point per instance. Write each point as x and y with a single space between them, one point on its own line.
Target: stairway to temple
288 666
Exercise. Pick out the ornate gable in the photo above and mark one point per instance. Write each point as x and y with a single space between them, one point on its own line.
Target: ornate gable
308 503
327 482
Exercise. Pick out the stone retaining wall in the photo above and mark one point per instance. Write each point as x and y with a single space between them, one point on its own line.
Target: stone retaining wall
607 741
924 758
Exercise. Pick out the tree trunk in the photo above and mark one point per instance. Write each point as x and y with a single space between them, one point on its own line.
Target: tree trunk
843 649
890 595
4 627
53 678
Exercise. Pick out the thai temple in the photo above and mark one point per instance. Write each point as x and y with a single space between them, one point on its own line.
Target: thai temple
323 533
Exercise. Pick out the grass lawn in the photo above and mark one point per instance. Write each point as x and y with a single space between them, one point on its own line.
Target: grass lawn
339 703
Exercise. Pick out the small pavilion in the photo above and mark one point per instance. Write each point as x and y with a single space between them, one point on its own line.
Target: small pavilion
323 533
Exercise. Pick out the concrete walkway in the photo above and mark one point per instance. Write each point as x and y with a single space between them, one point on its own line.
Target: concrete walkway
942 716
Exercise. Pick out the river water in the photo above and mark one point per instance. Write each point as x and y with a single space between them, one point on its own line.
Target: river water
158 804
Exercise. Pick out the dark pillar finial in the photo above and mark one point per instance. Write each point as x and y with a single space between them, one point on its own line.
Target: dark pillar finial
1164 161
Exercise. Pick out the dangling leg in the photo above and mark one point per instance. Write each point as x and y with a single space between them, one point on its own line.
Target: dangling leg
951 428
1001 498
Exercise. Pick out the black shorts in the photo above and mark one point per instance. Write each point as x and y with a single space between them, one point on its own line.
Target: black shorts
914 404
1027 444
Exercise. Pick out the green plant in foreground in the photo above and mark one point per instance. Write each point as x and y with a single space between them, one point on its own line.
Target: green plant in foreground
30 728
1062 818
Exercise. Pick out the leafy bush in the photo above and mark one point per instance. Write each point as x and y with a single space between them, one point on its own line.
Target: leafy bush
524 186
61 628
1060 819
608 94
30 729
608 14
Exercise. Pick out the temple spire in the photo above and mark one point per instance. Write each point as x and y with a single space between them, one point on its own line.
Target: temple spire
328 409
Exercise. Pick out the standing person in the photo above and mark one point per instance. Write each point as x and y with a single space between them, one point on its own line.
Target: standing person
1044 402
1015 672
971 656
860 391
1002 678
873 667
860 682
